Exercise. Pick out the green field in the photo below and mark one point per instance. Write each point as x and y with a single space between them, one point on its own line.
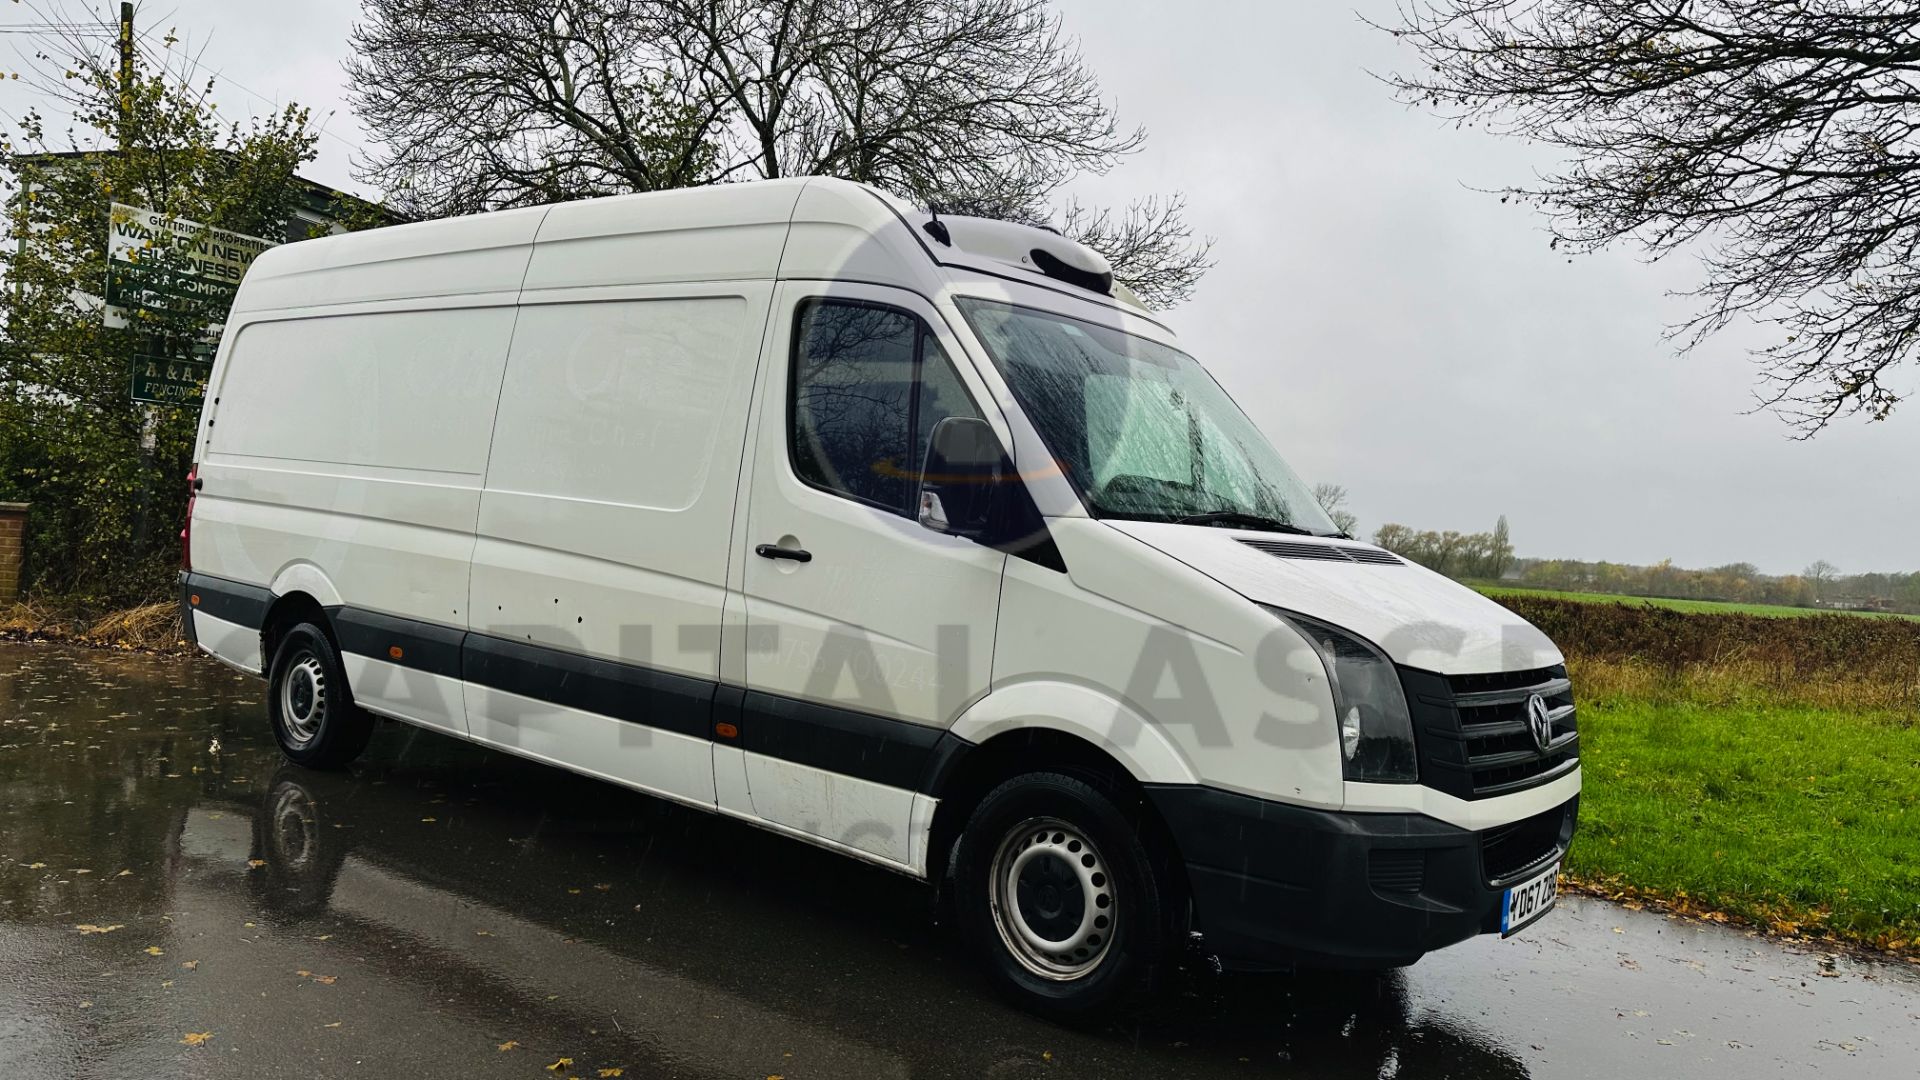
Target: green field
1701 607
1794 818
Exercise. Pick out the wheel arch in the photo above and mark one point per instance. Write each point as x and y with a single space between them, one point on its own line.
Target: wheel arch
1059 727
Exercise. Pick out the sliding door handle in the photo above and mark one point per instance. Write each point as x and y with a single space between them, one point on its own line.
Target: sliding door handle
773 551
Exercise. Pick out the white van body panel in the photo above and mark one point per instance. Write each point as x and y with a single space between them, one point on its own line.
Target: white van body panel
1240 700
480 256
732 232
403 693
1417 617
234 645
663 763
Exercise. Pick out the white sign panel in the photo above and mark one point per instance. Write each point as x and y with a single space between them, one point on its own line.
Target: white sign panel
207 263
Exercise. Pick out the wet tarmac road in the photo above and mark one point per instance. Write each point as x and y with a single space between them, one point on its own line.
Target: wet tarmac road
443 910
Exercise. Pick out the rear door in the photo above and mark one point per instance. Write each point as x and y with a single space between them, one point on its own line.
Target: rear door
867 634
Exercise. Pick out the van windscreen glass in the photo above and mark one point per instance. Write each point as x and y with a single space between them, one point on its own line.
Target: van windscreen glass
1143 430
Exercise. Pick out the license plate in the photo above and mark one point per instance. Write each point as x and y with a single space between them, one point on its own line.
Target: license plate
1529 900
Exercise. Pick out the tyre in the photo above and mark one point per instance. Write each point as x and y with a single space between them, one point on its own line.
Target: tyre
313 714
1060 896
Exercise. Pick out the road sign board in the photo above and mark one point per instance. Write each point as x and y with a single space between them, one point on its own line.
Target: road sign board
168 380
158 263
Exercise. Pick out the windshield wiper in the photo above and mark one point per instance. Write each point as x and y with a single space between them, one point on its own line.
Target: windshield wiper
1238 519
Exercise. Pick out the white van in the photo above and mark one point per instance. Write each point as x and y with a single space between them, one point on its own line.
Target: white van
909 536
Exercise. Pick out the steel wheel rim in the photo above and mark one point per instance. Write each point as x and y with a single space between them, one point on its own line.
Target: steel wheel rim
303 698
1053 899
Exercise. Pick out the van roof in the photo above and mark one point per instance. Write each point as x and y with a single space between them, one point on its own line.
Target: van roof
803 227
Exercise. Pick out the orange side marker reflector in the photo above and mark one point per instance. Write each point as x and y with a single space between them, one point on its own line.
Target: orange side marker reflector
395 652
726 730
194 599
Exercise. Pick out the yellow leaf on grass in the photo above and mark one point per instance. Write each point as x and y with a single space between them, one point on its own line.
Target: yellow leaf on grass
304 973
256 863
37 866
560 1065
196 1038
155 950
89 928
335 1024
608 1074
428 820
327 980
190 964
124 873
508 1045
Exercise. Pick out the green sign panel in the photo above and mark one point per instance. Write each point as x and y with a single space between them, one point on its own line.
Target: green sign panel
169 380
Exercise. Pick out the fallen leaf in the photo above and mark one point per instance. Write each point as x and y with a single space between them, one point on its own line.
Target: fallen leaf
428 820
304 973
166 984
603 888
560 1065
124 873
80 870
89 928
256 863
326 980
155 950
508 1045
86 1004
336 1023
190 964
37 866
196 1038
608 1074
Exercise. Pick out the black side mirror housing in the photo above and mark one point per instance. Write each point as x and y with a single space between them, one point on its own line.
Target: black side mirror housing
963 467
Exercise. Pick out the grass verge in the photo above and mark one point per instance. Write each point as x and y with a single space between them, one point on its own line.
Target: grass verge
1750 806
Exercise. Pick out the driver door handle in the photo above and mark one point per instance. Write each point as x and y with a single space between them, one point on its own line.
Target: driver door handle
772 551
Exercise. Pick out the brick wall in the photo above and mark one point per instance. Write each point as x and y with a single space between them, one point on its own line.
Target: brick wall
13 542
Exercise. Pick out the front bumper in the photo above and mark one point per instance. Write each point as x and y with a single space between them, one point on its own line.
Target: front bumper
1274 885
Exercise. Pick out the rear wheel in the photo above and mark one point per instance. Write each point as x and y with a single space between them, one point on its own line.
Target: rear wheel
1058 893
314 717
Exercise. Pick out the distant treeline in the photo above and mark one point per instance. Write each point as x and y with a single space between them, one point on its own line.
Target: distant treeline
1476 556
1740 583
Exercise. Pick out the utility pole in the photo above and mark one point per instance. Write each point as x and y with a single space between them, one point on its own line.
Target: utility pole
126 71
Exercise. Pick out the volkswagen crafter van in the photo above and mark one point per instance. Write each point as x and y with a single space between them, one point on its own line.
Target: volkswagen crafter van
913 537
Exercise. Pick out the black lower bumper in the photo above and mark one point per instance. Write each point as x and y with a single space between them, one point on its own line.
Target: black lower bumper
1274 885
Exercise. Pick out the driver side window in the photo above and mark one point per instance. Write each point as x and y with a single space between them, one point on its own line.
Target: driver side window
867 385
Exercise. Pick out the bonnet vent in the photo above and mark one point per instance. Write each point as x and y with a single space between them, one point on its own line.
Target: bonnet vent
1294 549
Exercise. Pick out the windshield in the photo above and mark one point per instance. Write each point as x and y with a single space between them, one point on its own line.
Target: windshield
1141 428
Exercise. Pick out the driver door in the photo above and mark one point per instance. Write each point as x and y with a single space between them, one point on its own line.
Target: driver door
867 633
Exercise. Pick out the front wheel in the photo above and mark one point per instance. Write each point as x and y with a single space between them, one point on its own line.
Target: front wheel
1058 893
314 717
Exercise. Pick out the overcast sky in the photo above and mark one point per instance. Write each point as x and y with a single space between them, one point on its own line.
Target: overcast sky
1393 329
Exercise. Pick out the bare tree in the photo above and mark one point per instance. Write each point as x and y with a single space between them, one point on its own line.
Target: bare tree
1782 136
1333 499
977 106
1821 574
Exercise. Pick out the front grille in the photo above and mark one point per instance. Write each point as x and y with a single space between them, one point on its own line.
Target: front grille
1476 737
1525 845
1397 871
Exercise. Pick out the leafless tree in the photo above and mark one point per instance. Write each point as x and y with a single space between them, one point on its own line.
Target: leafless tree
1781 136
976 106
1333 499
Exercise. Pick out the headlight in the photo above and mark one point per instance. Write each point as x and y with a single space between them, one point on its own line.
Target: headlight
1376 730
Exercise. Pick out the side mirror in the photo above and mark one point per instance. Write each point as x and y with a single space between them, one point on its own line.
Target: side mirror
962 468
